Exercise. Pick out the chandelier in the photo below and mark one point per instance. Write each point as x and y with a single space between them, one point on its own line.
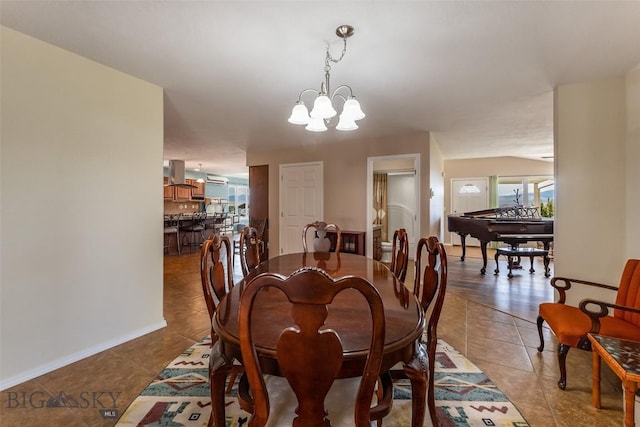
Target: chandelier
323 109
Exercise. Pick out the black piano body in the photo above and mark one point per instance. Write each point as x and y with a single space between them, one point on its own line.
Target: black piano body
512 225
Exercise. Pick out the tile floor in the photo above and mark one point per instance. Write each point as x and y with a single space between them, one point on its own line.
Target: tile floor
502 345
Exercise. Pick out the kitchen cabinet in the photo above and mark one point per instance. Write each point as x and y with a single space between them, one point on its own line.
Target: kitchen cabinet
197 193
168 191
182 193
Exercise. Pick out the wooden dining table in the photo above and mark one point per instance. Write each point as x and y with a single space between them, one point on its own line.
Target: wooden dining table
348 315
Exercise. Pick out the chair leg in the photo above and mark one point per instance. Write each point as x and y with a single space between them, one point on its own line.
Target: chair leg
178 242
540 322
431 394
232 380
379 393
563 349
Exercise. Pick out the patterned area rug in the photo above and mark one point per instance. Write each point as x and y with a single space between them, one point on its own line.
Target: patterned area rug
465 396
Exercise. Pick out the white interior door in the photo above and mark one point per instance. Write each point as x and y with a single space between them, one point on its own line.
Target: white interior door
468 195
301 202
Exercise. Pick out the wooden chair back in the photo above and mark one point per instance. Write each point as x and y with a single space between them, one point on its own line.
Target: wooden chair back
629 292
430 285
430 282
216 271
400 254
249 250
321 226
260 224
310 355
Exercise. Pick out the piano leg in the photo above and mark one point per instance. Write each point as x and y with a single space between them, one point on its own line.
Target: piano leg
483 249
546 265
463 240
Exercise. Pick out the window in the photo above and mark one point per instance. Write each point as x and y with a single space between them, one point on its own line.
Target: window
527 191
239 202
469 189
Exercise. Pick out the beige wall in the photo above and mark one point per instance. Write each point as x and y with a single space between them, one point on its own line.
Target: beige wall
81 223
594 181
486 167
632 164
435 193
345 177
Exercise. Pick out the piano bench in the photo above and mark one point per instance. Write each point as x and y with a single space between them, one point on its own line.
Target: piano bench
515 251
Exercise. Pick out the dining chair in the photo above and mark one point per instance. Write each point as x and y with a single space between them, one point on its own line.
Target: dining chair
400 254
571 324
249 250
172 228
260 224
216 274
430 285
310 355
321 242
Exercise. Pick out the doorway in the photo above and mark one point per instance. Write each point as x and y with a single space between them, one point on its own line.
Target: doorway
402 207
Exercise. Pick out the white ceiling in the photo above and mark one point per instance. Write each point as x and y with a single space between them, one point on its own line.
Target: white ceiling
478 74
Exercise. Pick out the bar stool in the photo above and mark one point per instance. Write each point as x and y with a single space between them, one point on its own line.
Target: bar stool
172 228
195 227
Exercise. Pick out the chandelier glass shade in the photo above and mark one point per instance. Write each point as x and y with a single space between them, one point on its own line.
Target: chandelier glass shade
316 124
200 180
323 108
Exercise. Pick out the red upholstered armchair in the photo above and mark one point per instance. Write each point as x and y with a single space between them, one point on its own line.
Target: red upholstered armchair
571 324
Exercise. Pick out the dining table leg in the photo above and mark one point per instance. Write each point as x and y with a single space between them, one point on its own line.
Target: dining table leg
418 373
219 369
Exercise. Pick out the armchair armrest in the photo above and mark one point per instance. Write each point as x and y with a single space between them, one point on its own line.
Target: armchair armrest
562 289
603 311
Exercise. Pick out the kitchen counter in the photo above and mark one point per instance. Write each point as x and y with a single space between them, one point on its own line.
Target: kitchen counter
219 221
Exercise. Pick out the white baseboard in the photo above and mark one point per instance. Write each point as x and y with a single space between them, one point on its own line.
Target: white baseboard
43 369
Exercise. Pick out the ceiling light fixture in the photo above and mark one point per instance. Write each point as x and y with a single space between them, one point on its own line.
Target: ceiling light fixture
200 180
323 105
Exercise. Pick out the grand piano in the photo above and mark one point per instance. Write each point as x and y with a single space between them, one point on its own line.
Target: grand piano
513 225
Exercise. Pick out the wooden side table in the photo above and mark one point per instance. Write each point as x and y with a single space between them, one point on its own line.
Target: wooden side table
623 357
352 242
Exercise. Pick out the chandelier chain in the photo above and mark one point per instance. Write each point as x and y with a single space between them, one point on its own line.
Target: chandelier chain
330 58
